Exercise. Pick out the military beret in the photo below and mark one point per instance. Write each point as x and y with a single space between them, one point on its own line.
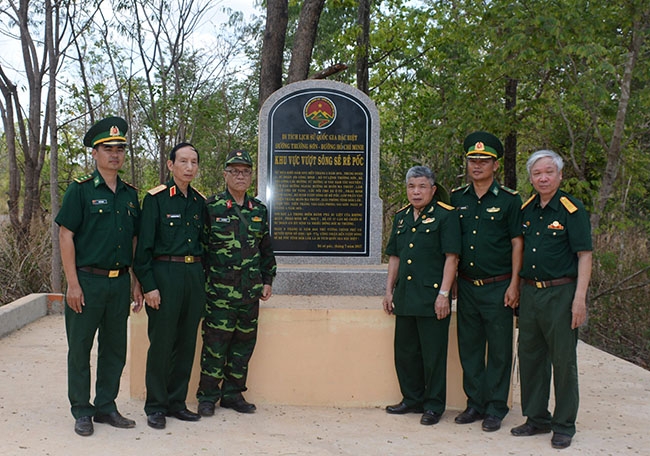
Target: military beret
239 157
482 144
110 131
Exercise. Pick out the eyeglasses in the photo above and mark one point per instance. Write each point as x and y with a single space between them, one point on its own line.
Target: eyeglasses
239 172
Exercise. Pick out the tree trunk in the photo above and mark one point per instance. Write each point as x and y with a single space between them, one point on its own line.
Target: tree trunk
277 16
303 44
614 149
363 45
510 146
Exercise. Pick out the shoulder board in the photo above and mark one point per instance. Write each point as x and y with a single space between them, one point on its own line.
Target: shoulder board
130 185
568 205
528 201
444 205
462 187
211 199
82 179
199 193
156 190
256 201
404 208
508 190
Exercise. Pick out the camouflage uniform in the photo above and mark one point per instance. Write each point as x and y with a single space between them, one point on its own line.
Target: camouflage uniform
239 261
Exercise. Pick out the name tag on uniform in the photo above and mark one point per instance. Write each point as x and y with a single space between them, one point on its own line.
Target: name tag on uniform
222 219
99 202
173 216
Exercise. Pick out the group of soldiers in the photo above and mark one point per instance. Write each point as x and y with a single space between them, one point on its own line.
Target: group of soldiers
499 257
191 258
195 258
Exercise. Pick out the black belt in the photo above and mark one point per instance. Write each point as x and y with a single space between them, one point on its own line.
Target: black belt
111 273
481 282
179 259
549 283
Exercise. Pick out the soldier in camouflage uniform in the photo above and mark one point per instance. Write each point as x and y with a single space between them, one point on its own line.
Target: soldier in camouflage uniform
240 266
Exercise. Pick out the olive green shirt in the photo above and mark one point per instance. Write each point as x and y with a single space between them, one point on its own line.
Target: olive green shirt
104 223
171 224
552 237
421 246
488 225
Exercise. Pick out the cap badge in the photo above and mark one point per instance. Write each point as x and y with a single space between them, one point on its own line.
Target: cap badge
479 146
114 131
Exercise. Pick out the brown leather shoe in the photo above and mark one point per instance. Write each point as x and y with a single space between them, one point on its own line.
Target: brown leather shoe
526 430
115 420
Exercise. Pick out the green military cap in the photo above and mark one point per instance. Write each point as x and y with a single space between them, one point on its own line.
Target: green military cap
110 131
239 157
481 144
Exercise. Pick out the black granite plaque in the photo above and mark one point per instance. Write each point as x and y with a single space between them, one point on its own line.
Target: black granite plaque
319 162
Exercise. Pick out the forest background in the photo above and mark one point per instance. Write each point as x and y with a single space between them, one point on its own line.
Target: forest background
567 75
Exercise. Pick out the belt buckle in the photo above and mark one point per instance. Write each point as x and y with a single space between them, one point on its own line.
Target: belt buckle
113 273
477 282
540 285
189 259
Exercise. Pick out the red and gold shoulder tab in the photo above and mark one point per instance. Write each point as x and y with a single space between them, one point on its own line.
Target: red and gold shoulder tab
82 179
568 205
508 190
445 205
528 201
156 190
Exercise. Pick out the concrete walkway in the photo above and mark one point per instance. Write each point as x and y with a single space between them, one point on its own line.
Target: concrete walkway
35 418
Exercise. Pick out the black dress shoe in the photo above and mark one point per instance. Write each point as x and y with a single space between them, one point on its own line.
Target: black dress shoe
491 423
526 430
430 417
206 409
238 404
560 441
469 415
185 415
83 426
402 408
115 420
157 420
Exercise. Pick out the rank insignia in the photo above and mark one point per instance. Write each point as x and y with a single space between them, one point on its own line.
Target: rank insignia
256 219
429 220
556 226
99 202
222 219
492 210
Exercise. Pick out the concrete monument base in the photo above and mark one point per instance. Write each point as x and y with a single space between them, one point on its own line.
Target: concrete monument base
315 350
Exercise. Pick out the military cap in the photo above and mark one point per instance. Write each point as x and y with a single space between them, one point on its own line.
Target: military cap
239 157
482 144
110 131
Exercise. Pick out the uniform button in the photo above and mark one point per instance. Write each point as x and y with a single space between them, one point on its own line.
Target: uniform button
408 278
189 240
409 261
471 263
410 245
491 218
471 247
427 231
413 229
435 285
534 250
474 232
101 211
476 217
534 266
171 224
537 234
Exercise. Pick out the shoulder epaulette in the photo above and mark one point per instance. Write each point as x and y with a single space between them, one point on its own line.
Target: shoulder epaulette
528 201
445 205
82 179
156 190
199 193
568 205
509 190
403 208
462 187
130 185
211 199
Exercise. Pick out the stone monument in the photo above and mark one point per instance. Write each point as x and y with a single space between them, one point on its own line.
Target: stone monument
318 173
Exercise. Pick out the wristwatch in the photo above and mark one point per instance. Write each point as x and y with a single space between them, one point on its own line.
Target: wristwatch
444 294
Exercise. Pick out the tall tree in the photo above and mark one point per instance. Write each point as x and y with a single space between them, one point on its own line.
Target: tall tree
271 59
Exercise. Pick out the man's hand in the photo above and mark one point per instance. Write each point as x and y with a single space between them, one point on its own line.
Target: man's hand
388 303
442 307
75 297
152 298
266 292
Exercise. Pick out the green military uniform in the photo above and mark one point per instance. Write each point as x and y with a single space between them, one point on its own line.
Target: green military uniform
168 258
420 338
488 226
239 261
104 224
552 237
